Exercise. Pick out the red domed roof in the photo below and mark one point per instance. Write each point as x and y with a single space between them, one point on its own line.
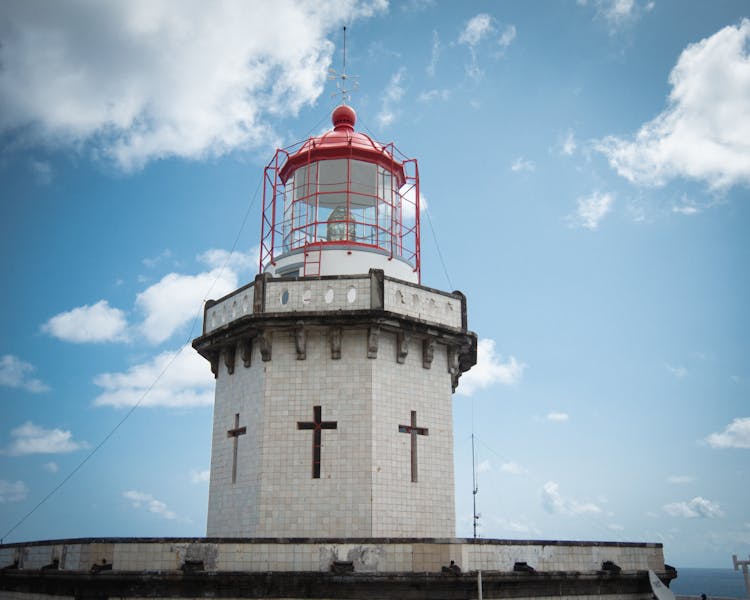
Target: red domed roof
343 142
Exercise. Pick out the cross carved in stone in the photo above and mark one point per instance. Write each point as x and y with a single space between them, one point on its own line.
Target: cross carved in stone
414 431
235 433
317 425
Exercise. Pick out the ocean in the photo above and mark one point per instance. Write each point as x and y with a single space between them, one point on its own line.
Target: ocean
715 583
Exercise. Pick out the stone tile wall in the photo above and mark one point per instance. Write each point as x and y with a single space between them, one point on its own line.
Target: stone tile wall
238 304
401 507
416 301
234 508
351 293
365 487
292 502
556 557
375 556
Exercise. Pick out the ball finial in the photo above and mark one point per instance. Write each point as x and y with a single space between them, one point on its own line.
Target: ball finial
343 117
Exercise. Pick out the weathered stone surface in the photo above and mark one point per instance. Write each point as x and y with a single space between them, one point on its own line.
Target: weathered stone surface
353 334
372 555
334 294
404 586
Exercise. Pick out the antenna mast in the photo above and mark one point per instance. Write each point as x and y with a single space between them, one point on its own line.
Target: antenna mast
474 487
342 77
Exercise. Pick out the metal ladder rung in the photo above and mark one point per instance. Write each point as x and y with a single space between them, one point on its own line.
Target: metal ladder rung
313 257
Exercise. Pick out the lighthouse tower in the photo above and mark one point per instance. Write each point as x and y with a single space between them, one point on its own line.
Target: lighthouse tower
332 447
335 367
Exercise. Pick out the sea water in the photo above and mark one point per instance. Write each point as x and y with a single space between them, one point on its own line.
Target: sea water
718 583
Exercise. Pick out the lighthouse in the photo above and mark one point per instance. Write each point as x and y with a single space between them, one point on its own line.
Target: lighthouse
335 367
332 451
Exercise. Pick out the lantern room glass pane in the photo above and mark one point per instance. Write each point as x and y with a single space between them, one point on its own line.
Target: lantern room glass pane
301 183
332 177
363 183
342 200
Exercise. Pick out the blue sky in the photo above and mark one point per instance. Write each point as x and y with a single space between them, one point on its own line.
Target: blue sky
585 166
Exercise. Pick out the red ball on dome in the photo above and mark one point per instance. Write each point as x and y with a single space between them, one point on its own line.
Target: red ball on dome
343 116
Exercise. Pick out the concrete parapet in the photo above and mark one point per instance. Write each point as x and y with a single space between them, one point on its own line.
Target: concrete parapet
378 555
333 294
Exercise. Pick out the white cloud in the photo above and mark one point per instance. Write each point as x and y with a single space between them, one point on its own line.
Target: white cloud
615 527
678 479
33 439
687 207
12 491
392 95
515 525
698 507
735 435
556 504
147 501
704 133
558 417
186 381
176 299
96 323
476 29
484 467
568 145
618 13
678 371
239 262
522 164
52 467
507 36
144 79
200 476
685 210
590 211
435 54
166 305
15 372
434 94
408 207
513 468
153 261
490 370
417 5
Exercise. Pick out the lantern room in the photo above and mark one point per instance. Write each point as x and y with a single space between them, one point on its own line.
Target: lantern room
341 204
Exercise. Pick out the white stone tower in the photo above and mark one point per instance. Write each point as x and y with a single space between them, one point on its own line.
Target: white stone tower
335 367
